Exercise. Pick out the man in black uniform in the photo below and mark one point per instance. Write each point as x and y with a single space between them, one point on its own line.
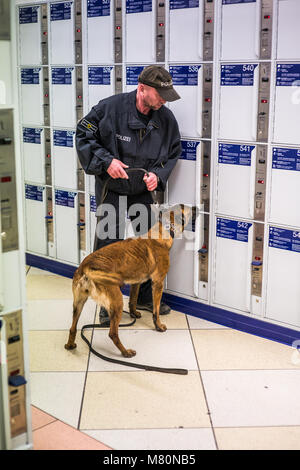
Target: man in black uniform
131 130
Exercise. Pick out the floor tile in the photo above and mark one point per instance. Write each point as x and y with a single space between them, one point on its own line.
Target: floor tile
276 438
171 349
120 400
196 323
47 286
60 436
157 439
253 398
38 272
40 418
231 349
58 393
47 352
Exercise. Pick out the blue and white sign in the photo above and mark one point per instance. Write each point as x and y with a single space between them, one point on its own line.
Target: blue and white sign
60 11
288 75
28 15
284 239
99 75
63 138
31 135
30 76
179 4
237 74
233 229
189 150
35 193
62 76
65 198
234 2
184 74
286 159
132 74
93 205
97 8
138 6
230 154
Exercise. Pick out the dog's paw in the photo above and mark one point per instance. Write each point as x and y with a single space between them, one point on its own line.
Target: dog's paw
161 327
69 347
135 314
129 353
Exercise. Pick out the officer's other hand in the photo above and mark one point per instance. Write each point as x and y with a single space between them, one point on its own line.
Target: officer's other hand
115 169
151 181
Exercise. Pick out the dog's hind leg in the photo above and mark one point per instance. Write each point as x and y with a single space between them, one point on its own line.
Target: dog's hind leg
80 296
134 292
157 289
115 313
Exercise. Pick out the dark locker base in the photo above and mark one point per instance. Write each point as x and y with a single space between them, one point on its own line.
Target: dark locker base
233 320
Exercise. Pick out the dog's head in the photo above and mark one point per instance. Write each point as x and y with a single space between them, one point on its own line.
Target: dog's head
175 218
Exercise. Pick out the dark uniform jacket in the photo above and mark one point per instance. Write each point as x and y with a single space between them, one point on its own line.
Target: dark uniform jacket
112 129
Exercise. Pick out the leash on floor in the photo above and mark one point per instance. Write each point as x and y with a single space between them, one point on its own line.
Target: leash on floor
125 363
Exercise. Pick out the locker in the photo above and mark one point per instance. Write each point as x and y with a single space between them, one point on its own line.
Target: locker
62 33
283 294
67 230
140 37
63 96
64 159
187 80
132 74
36 209
233 257
34 155
288 29
285 198
30 35
32 96
100 32
287 99
101 83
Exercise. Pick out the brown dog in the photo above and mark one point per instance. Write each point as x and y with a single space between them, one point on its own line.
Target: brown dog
132 261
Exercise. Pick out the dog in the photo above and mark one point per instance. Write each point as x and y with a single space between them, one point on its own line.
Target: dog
132 261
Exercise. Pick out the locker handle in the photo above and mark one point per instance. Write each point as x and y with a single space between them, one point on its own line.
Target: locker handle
257 28
17 381
249 264
81 224
252 184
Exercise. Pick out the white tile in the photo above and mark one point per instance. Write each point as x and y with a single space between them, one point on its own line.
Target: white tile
156 439
253 398
172 349
196 323
58 393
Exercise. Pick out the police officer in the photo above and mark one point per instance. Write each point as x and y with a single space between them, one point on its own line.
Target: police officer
131 130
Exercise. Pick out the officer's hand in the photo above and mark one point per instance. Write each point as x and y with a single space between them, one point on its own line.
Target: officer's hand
115 169
151 181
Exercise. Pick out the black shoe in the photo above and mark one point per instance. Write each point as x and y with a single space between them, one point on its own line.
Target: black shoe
164 308
104 318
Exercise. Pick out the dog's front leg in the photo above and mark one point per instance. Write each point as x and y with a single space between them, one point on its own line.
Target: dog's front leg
134 292
157 289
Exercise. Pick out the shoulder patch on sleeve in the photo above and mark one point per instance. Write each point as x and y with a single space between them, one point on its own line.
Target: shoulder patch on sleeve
88 125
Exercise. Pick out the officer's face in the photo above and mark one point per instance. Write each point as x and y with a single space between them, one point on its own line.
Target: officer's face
151 98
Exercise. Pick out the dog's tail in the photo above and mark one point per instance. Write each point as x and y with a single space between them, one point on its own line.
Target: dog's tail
102 277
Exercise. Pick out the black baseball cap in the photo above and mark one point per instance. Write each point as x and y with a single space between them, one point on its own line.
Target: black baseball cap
159 78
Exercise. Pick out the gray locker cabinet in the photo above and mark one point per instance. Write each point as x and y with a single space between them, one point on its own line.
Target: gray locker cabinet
63 97
283 273
67 230
288 38
100 32
30 35
62 33
287 100
36 207
140 33
64 159
100 83
32 96
232 265
34 155
132 74
285 183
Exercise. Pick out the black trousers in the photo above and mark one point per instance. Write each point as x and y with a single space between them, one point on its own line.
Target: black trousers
111 223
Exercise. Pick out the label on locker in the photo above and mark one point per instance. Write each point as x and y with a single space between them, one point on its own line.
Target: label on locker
235 154
93 205
100 75
35 193
234 2
233 229
288 74
63 138
60 11
176 4
62 76
284 239
189 150
138 6
185 74
237 74
32 136
64 198
132 74
286 159
98 8
30 76
28 15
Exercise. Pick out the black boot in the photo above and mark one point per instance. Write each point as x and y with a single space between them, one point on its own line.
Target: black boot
104 318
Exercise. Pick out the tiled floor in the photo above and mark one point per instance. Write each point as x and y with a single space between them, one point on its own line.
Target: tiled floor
241 392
